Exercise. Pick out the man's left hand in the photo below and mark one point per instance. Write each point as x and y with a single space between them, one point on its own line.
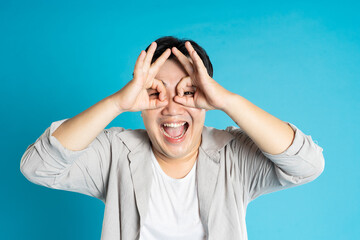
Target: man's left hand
198 89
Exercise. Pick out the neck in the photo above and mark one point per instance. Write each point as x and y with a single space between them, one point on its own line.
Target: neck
177 167
190 158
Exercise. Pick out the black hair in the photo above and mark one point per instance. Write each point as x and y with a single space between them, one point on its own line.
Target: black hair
170 41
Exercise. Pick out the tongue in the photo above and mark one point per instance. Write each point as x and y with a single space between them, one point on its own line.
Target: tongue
174 131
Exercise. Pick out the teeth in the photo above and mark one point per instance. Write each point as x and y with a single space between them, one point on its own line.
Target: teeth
171 136
174 125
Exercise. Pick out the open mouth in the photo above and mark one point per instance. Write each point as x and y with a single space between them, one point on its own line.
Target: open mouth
174 130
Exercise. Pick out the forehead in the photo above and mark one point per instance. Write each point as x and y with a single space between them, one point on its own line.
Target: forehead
171 72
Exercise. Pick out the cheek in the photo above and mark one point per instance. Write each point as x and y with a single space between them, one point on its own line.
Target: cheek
149 117
197 115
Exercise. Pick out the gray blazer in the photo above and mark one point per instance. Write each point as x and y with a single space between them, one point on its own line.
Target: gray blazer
116 168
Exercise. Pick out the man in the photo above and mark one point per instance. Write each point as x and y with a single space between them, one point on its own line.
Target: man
178 179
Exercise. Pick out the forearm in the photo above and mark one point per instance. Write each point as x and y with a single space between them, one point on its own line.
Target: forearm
270 134
78 132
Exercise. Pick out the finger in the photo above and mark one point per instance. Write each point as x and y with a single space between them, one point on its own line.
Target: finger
149 55
184 61
139 63
156 103
159 62
186 101
183 83
199 65
159 86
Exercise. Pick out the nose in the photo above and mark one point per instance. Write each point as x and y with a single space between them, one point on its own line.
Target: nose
173 108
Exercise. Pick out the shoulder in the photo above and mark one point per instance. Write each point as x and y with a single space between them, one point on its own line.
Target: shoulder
120 131
238 133
216 139
231 132
241 140
132 138
231 137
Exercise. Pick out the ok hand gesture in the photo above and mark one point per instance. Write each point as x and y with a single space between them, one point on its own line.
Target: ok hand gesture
208 94
134 96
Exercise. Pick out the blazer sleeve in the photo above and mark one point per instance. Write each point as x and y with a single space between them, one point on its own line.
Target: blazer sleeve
47 163
261 173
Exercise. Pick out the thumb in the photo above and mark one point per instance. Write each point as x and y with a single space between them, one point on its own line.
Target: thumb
156 103
184 100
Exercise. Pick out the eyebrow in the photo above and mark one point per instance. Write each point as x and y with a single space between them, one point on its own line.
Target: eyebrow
165 84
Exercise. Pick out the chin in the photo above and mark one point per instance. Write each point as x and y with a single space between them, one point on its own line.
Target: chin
176 153
174 139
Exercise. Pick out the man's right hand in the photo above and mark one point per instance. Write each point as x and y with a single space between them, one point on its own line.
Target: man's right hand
143 91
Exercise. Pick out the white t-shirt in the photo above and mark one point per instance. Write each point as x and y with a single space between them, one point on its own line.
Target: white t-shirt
173 208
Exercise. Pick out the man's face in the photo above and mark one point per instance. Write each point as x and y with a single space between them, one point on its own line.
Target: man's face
174 130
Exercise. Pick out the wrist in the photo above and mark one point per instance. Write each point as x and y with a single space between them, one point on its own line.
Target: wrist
114 102
228 101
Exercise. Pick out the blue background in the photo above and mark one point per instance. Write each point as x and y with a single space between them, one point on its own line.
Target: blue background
298 61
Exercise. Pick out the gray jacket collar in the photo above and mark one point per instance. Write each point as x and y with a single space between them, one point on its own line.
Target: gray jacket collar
212 139
208 165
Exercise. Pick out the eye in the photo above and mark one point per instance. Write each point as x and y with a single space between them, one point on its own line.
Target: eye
188 93
156 94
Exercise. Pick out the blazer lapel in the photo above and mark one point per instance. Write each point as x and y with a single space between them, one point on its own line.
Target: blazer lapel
213 140
206 175
137 141
141 172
